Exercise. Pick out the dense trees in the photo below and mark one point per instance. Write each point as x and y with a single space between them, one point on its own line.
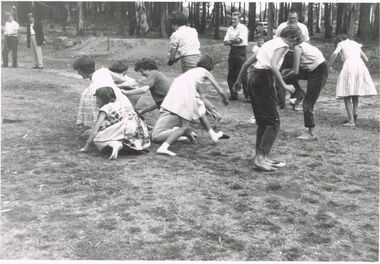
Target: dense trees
136 18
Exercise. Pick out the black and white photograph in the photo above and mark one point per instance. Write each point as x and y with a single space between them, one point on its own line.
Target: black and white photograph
190 131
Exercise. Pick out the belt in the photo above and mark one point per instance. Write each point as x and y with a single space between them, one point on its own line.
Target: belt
15 36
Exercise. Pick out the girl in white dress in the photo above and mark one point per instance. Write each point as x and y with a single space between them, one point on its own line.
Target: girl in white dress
184 101
354 79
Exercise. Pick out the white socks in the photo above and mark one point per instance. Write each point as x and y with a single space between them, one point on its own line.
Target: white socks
116 147
215 136
163 149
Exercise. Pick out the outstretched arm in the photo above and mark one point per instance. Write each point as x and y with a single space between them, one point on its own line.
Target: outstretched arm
216 86
296 63
140 90
274 67
364 57
94 131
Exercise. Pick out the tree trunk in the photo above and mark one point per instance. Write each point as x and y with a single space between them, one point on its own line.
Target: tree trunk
260 16
164 15
270 19
265 11
351 20
364 29
318 22
281 13
310 19
80 27
244 20
131 18
298 8
328 25
225 13
375 32
217 22
204 19
339 19
251 21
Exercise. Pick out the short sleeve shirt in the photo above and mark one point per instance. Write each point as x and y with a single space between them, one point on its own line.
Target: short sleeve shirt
159 85
265 54
349 49
241 31
185 40
10 28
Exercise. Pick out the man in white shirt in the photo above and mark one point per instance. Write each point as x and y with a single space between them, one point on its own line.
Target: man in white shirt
288 60
237 38
10 41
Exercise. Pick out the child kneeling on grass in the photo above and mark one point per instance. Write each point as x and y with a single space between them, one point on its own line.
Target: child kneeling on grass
117 126
184 101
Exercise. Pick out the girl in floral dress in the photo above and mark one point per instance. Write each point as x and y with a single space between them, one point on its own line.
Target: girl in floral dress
354 79
117 126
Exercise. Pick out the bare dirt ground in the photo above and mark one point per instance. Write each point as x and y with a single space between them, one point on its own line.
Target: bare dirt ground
208 203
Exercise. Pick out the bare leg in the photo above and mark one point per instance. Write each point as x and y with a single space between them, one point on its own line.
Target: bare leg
177 133
348 104
116 147
355 103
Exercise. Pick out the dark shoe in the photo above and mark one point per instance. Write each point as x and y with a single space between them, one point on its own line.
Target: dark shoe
15 66
35 67
40 68
233 98
4 66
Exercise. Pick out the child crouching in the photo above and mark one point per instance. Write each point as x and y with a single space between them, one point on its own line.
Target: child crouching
117 126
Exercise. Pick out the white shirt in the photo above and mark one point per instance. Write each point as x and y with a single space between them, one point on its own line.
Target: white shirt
303 28
32 29
241 31
311 57
185 40
265 54
255 49
349 49
10 28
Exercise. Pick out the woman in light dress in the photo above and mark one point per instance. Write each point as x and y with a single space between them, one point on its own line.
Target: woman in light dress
354 79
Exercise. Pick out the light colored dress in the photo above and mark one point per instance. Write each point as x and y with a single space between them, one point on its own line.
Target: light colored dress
88 112
183 99
354 79
122 124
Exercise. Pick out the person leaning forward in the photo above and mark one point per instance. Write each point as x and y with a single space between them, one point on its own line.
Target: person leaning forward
35 39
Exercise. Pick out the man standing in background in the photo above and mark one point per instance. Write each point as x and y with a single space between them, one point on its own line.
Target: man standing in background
35 39
237 38
10 41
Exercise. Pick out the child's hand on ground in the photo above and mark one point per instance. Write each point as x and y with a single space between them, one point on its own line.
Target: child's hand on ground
224 99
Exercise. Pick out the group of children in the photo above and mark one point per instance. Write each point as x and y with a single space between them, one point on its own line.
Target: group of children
116 125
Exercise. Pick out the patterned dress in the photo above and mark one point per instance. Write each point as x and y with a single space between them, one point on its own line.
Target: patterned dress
354 79
122 124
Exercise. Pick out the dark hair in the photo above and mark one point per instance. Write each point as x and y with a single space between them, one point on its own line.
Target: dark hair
206 62
106 94
119 66
236 14
340 38
85 64
292 32
179 19
292 11
145 64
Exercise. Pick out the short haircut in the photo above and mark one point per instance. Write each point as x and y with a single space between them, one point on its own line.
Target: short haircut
119 66
179 19
85 64
292 32
145 64
292 11
206 62
340 38
236 14
106 94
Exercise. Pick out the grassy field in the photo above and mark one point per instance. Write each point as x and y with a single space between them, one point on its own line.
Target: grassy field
208 203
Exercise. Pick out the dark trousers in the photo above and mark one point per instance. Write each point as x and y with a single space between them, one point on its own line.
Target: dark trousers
236 59
263 99
10 44
316 80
